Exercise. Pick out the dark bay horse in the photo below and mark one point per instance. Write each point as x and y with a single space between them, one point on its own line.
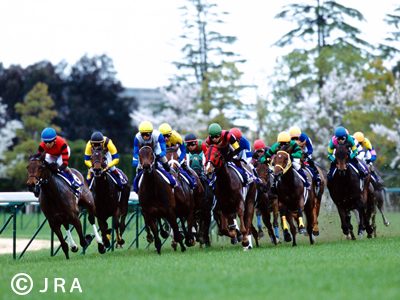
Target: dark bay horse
184 197
203 209
109 200
59 204
156 197
267 202
232 197
348 193
292 197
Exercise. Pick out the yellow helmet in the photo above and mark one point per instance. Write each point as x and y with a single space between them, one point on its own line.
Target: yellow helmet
359 136
284 137
165 129
294 131
145 126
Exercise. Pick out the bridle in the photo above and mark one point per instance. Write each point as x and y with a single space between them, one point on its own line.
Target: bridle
289 164
153 154
40 179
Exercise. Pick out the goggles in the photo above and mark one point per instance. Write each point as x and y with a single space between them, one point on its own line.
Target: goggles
260 151
217 136
145 134
191 144
49 142
167 135
95 145
295 138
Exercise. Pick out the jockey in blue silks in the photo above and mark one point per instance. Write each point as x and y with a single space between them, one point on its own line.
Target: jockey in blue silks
244 153
146 136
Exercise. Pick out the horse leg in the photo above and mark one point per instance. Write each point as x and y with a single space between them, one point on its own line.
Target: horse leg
379 203
189 238
316 208
117 226
84 242
57 230
266 217
164 233
310 221
177 236
286 235
100 245
71 241
292 228
275 210
103 228
344 223
153 226
206 221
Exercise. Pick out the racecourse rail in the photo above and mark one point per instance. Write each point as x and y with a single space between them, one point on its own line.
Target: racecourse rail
17 200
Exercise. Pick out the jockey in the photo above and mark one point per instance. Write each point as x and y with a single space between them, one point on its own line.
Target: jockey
370 153
305 144
147 136
227 142
173 138
259 150
99 142
193 145
244 145
342 136
284 139
57 150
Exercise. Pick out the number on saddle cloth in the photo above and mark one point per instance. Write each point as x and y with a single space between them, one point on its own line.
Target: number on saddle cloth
69 179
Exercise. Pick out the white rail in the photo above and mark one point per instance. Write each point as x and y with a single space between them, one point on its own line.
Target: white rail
28 197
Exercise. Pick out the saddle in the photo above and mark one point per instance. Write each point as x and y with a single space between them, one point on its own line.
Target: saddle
168 178
68 179
250 177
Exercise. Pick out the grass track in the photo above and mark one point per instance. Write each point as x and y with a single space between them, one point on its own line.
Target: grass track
332 269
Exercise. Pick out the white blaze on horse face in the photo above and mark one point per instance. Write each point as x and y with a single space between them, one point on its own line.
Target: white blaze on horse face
208 168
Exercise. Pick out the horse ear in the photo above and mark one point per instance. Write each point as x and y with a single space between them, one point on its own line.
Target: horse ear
43 155
176 147
289 150
152 144
348 144
30 153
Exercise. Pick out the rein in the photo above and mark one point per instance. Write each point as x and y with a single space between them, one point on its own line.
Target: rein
40 180
154 156
284 169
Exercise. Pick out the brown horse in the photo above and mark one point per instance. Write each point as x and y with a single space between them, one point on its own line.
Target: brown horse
203 209
291 196
232 197
156 197
184 197
59 204
266 201
348 193
109 200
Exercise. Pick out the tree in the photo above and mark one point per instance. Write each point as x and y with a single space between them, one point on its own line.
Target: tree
389 49
208 58
92 103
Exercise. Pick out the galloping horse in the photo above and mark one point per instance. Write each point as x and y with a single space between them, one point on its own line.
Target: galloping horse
59 204
232 197
348 193
184 197
203 209
108 199
266 201
156 197
292 196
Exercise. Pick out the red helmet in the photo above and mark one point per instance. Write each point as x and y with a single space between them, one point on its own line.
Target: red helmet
258 144
236 132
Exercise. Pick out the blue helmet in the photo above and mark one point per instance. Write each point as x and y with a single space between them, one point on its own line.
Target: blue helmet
340 131
48 134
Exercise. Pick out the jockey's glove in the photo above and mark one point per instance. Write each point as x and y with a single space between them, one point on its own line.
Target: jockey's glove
265 160
368 161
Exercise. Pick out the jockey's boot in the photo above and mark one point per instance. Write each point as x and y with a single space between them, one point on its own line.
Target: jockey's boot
89 177
117 178
245 176
167 167
185 167
307 182
316 173
274 188
74 184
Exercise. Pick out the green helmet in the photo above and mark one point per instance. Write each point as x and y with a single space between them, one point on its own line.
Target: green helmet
214 129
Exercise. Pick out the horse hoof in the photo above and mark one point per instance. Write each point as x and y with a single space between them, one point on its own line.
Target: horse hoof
118 246
121 242
89 239
287 237
74 249
101 248
107 243
246 248
369 236
302 230
315 233
348 237
245 244
183 249
387 224
174 245
234 241
150 239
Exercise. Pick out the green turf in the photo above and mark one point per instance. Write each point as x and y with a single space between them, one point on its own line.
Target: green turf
334 268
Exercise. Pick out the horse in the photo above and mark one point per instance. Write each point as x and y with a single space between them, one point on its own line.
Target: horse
293 198
266 201
203 208
156 197
233 198
108 198
380 196
184 197
59 203
348 193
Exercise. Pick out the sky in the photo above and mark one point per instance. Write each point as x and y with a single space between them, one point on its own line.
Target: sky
142 37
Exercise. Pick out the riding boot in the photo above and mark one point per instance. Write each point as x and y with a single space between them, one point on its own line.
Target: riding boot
74 184
245 177
185 167
274 188
167 167
307 182
314 167
117 178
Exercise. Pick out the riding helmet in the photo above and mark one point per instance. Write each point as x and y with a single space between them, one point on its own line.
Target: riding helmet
97 137
340 131
294 131
359 136
48 134
190 137
145 126
214 129
165 129
258 145
236 132
283 137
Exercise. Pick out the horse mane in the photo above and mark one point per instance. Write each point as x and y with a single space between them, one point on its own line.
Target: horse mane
287 148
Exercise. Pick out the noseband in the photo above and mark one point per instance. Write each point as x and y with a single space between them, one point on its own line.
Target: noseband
154 156
40 179
289 164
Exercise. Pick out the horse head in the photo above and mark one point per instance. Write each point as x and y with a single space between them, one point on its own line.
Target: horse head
147 157
214 161
283 161
262 171
37 171
173 157
196 163
99 161
342 158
